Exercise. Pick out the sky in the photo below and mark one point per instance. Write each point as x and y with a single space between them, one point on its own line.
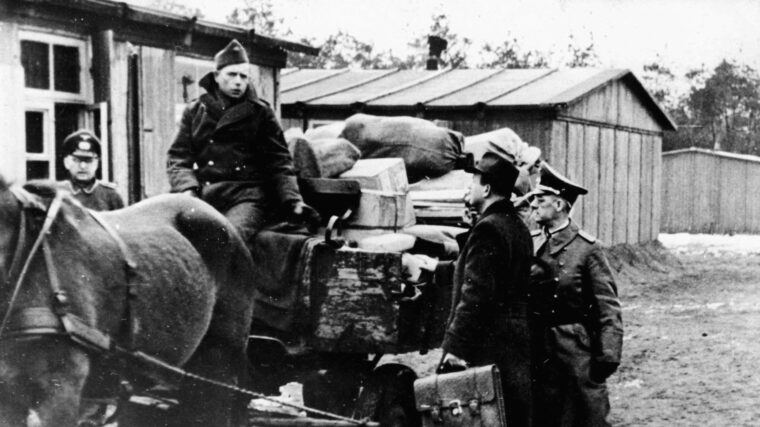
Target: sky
681 34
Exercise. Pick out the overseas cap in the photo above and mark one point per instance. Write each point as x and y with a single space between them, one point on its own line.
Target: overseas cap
234 53
553 182
81 143
501 171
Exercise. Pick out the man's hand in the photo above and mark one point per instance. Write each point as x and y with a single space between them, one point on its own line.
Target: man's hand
415 264
305 213
452 363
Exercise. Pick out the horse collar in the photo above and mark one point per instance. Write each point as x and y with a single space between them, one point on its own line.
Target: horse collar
41 240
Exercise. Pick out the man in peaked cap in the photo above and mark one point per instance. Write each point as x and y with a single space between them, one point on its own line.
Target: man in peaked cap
230 150
574 297
488 318
81 151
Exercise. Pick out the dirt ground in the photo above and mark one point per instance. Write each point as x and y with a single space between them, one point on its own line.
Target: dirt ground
691 340
692 333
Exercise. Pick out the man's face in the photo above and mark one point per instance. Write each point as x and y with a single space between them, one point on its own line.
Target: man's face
81 168
233 80
545 208
476 194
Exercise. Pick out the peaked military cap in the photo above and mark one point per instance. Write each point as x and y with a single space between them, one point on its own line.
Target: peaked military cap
500 171
233 53
81 143
552 182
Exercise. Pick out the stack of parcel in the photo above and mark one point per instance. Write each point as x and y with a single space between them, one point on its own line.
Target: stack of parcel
384 186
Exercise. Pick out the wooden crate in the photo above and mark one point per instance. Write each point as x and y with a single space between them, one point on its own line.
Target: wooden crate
379 174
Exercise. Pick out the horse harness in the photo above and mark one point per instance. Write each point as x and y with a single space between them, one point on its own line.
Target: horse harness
38 322
56 320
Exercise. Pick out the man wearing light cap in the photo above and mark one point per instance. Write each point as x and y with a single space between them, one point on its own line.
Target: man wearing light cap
488 320
230 150
574 298
81 151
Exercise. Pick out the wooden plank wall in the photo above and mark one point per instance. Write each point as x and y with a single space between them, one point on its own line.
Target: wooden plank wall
708 193
158 124
118 119
619 169
12 119
615 103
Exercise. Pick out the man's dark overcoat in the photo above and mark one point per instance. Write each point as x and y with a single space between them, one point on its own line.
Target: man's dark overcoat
240 152
583 330
488 319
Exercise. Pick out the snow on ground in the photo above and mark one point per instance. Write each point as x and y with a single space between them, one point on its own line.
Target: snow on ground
714 244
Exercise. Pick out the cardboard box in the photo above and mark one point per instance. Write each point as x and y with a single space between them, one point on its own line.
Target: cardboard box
384 210
379 174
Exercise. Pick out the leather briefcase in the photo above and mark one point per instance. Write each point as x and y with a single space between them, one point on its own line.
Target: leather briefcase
472 397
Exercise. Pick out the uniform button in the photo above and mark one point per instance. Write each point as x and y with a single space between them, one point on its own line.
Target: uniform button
561 263
555 296
207 183
211 163
237 168
210 141
556 279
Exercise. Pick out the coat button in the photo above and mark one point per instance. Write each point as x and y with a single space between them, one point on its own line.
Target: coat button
237 168
556 279
210 141
211 163
555 296
561 263
207 183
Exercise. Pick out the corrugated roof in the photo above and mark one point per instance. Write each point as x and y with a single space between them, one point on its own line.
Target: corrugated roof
507 88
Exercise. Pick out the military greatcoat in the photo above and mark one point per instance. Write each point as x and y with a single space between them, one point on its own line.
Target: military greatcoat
488 319
233 155
580 313
97 195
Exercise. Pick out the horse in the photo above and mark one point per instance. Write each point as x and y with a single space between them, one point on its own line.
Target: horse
166 277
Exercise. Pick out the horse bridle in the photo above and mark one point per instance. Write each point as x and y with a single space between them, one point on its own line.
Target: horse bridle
38 321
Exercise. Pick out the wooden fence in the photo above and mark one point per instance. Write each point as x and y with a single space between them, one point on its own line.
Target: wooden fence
707 191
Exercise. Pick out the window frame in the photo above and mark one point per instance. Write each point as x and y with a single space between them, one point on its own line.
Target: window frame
82 43
45 100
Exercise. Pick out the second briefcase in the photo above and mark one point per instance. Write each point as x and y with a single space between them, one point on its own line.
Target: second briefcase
472 397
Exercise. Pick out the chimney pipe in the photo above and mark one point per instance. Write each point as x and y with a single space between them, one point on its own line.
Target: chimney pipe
436 46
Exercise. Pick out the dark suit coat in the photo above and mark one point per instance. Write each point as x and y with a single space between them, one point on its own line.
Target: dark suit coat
488 320
100 196
240 151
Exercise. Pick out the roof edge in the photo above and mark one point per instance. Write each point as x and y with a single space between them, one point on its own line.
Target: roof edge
717 153
174 21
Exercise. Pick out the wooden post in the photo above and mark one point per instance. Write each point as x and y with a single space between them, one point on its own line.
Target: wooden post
102 56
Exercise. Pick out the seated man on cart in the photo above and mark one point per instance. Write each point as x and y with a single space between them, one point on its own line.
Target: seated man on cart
230 151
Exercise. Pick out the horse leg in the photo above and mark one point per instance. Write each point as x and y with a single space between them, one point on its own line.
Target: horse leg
60 376
206 404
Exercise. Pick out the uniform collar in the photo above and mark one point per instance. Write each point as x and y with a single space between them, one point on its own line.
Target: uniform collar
558 240
87 189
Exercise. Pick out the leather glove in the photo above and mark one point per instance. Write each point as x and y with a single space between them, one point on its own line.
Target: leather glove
600 371
305 214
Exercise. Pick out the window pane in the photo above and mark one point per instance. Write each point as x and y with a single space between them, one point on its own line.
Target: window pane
36 63
37 169
35 134
66 66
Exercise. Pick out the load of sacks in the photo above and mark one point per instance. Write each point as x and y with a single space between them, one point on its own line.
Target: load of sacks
406 169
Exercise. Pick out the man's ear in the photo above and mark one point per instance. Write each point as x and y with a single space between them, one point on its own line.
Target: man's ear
486 190
67 162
